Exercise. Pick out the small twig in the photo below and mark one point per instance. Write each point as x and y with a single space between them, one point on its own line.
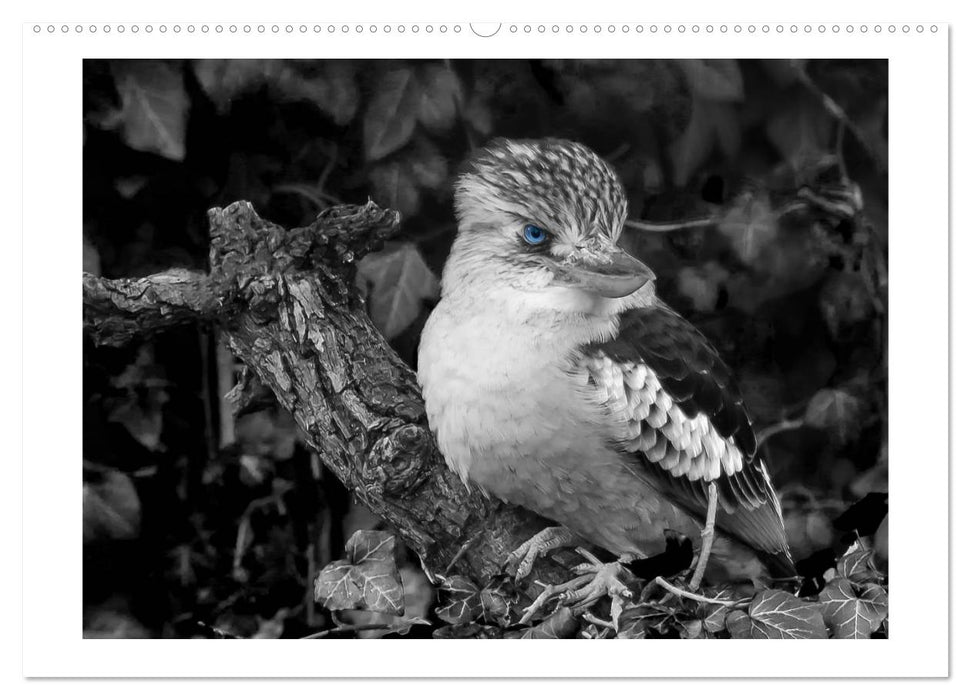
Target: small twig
621 150
459 554
320 199
837 113
780 427
707 537
331 151
668 226
694 596
308 596
840 159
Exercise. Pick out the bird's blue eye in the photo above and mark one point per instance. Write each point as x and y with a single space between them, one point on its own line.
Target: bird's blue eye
534 235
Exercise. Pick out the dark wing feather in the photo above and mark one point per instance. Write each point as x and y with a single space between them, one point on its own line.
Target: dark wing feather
690 372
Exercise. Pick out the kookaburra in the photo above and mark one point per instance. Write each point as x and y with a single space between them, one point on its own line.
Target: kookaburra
556 380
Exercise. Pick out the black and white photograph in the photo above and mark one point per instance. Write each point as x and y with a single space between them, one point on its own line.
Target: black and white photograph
486 348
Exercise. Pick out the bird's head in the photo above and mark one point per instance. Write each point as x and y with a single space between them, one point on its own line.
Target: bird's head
540 220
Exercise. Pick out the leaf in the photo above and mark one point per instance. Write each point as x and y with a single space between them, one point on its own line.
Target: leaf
390 117
337 588
645 621
692 629
844 302
778 615
853 612
836 411
368 579
91 258
463 603
329 85
111 507
397 182
335 91
801 132
702 285
468 630
562 624
441 97
395 187
750 226
495 607
154 107
398 280
478 115
714 79
372 554
715 619
857 565
713 124
429 167
783 72
739 625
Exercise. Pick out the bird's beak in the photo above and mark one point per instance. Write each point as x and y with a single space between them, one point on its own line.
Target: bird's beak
613 274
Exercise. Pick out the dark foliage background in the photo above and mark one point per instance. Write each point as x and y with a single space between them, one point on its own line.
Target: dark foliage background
758 194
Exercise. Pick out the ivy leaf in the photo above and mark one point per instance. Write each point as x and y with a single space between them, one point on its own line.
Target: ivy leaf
715 618
851 611
398 280
778 615
368 579
702 285
463 603
372 554
397 182
337 588
334 91
714 79
396 187
801 133
857 565
329 85
645 621
111 508
739 624
468 630
750 226
391 116
713 125
154 107
844 302
478 115
441 97
692 629
562 624
836 411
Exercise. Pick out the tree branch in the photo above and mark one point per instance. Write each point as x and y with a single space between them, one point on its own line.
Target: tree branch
287 303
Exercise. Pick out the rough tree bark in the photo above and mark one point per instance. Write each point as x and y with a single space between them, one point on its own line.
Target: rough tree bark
287 303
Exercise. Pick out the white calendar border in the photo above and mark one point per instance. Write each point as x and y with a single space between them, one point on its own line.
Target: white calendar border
918 644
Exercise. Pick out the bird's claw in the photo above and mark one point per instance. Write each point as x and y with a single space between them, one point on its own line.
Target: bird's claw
525 555
607 580
594 581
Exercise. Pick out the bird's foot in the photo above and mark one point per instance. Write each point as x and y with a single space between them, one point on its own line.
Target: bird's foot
595 581
524 556
605 580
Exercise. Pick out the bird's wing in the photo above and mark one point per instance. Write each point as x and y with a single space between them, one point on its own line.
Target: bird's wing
685 420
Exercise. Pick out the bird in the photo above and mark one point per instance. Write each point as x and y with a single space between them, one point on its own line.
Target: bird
555 379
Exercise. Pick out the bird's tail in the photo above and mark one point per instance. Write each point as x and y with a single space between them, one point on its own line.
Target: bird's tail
779 566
